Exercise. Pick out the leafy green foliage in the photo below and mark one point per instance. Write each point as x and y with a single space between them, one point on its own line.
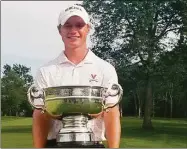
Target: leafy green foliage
145 41
15 83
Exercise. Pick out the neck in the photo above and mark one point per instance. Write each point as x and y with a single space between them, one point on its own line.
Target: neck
76 55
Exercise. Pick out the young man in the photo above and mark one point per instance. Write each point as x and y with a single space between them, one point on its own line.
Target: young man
76 65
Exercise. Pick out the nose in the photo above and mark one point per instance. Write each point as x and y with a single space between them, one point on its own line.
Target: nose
72 33
73 30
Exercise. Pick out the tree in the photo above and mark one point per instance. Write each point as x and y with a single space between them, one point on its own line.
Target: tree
15 83
133 33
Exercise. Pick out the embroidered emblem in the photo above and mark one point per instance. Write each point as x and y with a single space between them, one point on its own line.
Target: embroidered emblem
93 78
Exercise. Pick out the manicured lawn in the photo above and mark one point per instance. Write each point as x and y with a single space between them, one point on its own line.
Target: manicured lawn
16 133
166 134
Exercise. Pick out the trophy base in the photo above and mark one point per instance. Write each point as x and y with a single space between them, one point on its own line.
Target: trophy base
81 136
54 144
80 144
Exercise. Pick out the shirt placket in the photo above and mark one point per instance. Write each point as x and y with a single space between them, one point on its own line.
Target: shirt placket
75 75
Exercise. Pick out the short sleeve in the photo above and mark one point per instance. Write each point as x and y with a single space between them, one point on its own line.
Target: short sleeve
40 80
110 76
40 83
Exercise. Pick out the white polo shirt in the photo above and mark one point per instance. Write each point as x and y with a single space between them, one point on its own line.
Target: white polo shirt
91 71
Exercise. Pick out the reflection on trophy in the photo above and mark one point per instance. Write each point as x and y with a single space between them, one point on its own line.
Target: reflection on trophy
74 104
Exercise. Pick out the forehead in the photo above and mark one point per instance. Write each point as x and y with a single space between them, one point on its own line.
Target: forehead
74 19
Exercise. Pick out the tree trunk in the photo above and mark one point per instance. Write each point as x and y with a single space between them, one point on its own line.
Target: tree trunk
171 105
153 107
165 108
147 124
139 105
171 108
135 104
171 101
139 111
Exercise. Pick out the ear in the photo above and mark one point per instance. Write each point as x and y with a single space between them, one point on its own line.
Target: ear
88 27
59 27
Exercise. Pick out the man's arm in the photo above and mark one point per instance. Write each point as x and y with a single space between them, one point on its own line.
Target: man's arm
113 127
41 121
112 115
40 128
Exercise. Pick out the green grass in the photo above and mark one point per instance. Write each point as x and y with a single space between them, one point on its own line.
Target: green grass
16 132
166 134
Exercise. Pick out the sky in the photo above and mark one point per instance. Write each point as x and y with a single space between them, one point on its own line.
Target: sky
29 34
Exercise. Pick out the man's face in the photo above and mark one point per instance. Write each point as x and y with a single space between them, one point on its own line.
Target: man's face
74 32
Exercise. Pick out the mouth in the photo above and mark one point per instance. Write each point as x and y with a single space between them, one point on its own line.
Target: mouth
73 37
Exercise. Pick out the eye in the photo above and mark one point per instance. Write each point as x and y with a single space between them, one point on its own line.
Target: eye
67 25
80 25
77 25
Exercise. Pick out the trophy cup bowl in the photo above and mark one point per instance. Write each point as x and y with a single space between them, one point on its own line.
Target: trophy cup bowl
74 104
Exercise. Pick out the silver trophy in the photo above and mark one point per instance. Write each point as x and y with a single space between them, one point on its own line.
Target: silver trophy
74 104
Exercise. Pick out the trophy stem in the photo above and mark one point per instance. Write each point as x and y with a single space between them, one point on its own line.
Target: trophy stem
75 130
74 121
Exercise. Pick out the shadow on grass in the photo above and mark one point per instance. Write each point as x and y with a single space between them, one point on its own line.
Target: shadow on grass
16 129
177 131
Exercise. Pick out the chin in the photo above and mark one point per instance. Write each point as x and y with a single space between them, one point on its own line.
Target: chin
73 46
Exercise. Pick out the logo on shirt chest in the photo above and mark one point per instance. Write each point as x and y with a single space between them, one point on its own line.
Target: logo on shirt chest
93 78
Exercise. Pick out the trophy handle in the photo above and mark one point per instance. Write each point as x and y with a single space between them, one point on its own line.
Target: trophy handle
114 89
34 93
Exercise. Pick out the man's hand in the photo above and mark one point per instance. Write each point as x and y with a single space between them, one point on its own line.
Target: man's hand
96 115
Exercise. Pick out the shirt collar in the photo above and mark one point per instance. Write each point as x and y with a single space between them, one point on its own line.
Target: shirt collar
87 60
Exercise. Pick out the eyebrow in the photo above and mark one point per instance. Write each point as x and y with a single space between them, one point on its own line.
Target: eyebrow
76 22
